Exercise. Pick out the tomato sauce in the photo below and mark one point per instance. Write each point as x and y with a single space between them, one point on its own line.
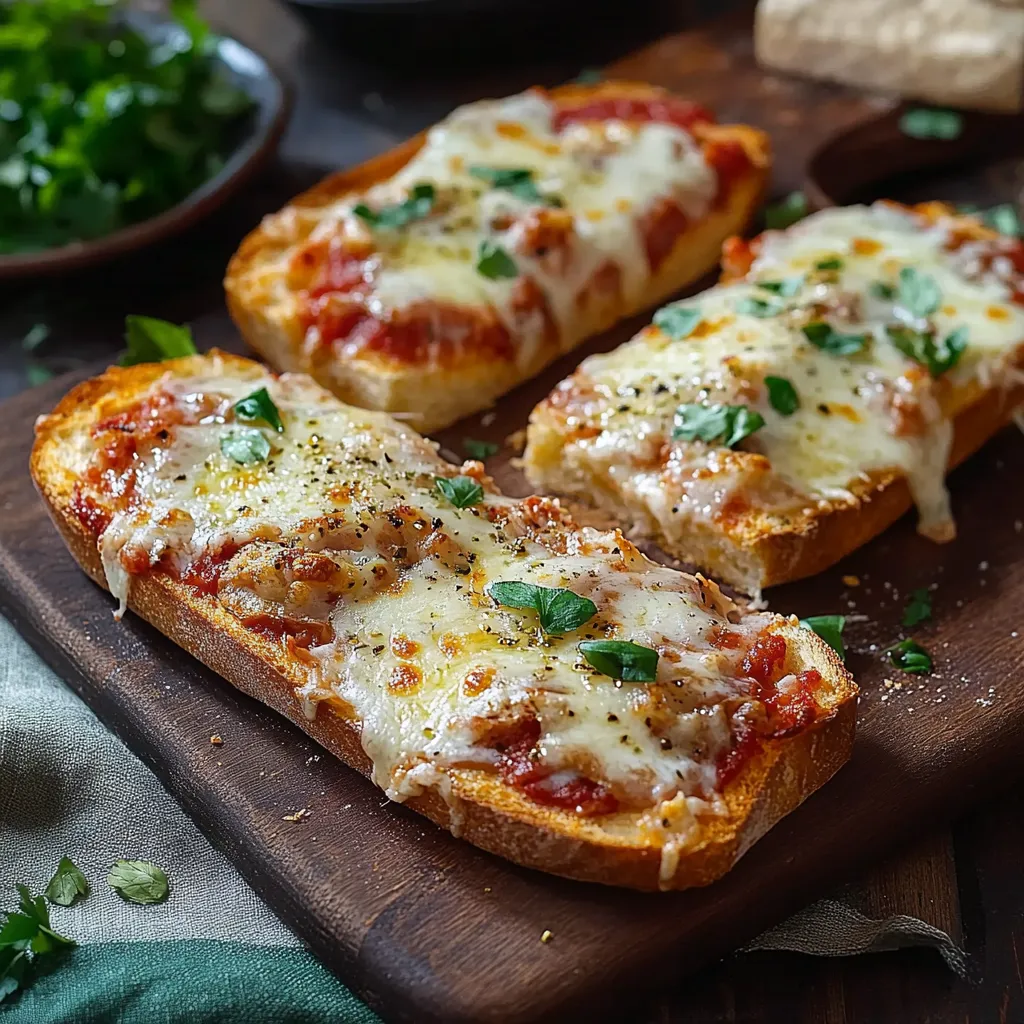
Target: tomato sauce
204 572
300 632
661 109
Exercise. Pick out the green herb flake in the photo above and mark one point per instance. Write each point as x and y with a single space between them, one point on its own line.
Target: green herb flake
516 180
589 76
493 262
35 336
621 659
726 424
830 629
245 445
922 347
150 340
1004 218
67 884
677 322
782 395
786 212
259 407
480 450
786 288
931 123
824 336
560 611
918 293
910 656
761 308
461 491
881 290
138 881
834 263
919 607
391 218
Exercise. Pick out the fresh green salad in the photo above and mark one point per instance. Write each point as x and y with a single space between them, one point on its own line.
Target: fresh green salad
100 126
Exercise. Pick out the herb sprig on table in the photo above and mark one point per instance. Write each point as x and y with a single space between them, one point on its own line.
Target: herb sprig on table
99 126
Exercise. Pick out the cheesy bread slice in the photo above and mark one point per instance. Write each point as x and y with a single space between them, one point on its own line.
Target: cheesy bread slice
541 689
770 425
435 278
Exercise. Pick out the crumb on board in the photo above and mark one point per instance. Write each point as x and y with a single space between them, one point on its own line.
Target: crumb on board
299 815
851 581
488 418
487 888
546 935
215 740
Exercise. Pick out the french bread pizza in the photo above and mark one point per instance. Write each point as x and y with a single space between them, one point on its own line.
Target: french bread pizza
765 428
437 276
542 689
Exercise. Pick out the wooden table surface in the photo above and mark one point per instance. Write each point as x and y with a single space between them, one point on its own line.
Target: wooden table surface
968 881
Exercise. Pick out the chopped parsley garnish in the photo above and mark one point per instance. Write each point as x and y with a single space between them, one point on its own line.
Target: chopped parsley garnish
25 936
782 395
677 322
919 607
517 180
480 450
138 881
881 290
787 287
103 125
417 206
461 491
589 76
918 293
835 263
830 629
151 341
922 347
727 424
259 406
493 262
786 212
621 659
560 611
931 123
245 445
761 308
910 656
67 884
1004 218
824 336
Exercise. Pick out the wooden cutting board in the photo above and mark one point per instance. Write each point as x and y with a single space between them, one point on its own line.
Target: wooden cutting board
427 928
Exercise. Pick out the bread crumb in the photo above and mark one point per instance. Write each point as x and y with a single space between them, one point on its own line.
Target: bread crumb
851 581
487 888
215 740
546 936
299 815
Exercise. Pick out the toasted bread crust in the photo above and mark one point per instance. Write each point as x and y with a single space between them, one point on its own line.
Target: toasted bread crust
478 806
436 396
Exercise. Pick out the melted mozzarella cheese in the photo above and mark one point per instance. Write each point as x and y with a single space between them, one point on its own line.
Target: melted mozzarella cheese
871 412
428 661
606 175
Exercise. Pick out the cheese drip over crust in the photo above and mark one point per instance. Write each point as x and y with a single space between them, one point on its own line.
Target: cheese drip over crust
862 414
341 542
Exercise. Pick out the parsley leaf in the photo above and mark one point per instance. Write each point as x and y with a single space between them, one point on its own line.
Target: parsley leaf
151 341
728 424
493 262
881 290
417 206
919 607
830 629
931 123
677 322
824 336
259 406
921 346
67 884
760 308
782 214
621 659
918 293
245 445
1005 219
480 450
787 287
834 263
561 611
782 395
517 180
461 491
910 656
138 881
